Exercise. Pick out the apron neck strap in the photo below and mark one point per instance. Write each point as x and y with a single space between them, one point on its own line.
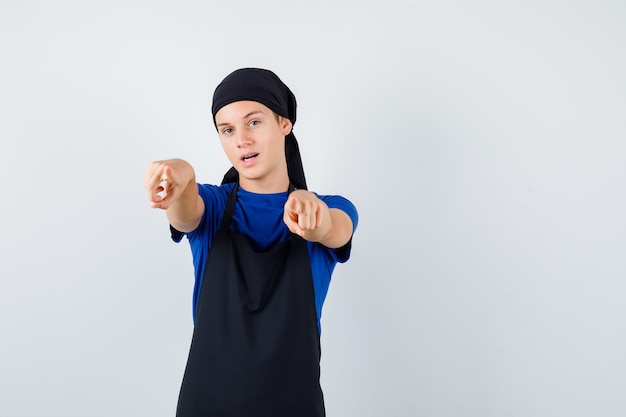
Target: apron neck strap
230 208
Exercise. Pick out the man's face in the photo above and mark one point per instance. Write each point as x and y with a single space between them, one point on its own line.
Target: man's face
253 138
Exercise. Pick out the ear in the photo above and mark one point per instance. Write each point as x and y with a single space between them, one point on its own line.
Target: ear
285 125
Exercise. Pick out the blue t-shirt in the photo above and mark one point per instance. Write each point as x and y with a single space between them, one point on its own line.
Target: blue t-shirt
260 217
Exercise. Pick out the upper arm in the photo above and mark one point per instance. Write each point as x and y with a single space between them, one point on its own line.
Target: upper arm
344 218
209 212
341 231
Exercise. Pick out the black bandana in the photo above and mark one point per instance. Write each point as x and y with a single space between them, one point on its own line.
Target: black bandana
262 86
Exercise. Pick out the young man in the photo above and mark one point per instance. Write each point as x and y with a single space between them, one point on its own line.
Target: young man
264 249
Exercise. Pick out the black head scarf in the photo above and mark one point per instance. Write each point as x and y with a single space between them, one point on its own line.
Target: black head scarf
262 86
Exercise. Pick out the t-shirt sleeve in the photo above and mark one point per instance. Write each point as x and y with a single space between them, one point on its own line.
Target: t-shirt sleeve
177 235
210 196
342 254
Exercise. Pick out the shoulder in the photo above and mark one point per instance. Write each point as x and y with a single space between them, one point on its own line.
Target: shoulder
215 198
339 202
210 192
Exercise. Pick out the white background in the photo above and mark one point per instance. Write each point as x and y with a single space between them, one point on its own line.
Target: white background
483 142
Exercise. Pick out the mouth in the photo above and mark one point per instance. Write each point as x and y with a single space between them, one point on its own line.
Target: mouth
249 159
249 156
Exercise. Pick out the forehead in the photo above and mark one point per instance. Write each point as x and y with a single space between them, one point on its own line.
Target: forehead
240 110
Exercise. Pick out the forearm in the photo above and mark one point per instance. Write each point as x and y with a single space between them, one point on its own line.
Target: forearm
186 212
337 233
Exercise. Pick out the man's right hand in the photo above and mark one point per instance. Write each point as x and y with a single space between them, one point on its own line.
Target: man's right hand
171 186
166 180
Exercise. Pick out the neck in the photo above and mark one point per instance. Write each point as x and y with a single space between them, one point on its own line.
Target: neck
279 185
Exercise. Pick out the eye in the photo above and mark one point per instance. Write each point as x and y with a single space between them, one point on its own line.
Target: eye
227 131
253 122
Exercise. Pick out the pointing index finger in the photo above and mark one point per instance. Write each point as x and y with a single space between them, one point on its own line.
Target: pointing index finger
163 193
293 205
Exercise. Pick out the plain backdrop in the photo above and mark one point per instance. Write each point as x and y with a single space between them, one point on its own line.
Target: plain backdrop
483 142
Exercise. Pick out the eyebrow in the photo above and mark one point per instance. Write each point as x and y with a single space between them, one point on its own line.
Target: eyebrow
252 113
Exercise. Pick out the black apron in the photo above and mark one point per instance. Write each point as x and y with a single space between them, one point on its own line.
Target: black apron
255 350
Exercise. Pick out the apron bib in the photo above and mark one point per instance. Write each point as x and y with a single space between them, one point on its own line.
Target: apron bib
255 349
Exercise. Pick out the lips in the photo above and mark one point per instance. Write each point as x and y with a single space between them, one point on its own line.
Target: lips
249 156
248 159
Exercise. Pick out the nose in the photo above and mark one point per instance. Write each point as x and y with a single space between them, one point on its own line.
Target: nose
242 139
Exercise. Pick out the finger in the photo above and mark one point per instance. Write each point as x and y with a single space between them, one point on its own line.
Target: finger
293 205
153 176
290 218
293 208
157 174
162 189
292 225
293 228
167 174
304 219
157 192
163 205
